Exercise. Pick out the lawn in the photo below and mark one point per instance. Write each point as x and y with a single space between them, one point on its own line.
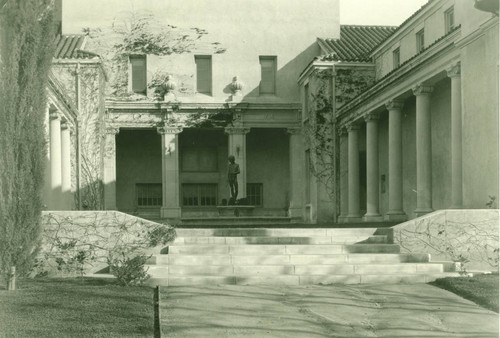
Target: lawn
481 289
73 307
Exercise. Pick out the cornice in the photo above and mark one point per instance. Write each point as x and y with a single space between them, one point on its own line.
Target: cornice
446 44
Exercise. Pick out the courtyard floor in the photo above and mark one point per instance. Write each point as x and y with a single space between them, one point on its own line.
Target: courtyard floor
416 310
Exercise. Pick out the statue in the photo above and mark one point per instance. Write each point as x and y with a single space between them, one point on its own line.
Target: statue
233 169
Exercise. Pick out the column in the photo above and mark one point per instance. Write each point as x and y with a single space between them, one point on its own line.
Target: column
372 183
237 147
109 177
297 173
354 214
424 151
456 136
395 212
55 161
170 172
66 167
343 158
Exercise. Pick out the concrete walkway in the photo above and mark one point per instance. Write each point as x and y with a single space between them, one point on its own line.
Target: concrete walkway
417 310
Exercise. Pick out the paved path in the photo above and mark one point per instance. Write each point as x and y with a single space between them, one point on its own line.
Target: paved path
417 310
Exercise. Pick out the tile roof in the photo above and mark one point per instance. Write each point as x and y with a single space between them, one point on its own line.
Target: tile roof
355 43
70 47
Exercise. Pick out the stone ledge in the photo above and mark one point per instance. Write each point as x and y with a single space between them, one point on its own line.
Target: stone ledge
236 210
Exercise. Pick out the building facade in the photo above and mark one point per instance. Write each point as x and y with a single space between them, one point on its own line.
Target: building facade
328 123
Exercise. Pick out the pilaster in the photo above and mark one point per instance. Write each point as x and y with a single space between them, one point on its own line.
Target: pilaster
343 181
297 173
456 136
354 214
395 211
424 149
66 166
237 148
372 169
170 172
109 177
55 162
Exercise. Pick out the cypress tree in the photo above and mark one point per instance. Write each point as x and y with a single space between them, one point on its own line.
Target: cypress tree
26 49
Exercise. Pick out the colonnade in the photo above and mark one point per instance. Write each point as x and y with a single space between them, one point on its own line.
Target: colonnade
350 194
171 188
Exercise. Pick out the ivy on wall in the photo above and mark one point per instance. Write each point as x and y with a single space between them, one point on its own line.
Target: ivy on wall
143 34
320 127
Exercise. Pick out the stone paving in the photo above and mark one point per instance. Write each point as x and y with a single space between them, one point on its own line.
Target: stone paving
398 310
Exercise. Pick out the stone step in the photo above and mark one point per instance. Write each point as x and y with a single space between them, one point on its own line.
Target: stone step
281 232
276 270
290 259
191 240
299 279
272 249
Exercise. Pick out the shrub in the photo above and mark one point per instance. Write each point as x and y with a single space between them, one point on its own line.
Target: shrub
128 271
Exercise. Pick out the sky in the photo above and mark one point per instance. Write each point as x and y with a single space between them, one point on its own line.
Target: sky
79 14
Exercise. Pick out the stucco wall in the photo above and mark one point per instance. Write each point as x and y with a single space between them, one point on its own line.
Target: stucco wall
138 160
480 119
268 163
434 28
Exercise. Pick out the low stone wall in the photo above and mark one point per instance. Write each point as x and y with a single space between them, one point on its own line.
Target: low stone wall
470 236
81 241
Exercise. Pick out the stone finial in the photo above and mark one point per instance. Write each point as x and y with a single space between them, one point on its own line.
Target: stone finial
236 86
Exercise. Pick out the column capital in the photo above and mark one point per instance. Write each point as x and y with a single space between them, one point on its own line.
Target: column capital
352 126
422 90
294 130
112 130
454 70
371 117
169 130
342 131
64 125
236 130
53 115
394 104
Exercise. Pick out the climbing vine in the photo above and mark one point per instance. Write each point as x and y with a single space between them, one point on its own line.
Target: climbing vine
320 127
142 33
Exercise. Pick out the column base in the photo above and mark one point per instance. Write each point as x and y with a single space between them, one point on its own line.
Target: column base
373 218
422 212
353 219
170 212
341 219
395 216
296 213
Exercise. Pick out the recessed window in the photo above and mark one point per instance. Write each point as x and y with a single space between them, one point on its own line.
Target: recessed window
203 74
138 77
395 58
255 194
148 194
199 195
420 40
449 20
268 74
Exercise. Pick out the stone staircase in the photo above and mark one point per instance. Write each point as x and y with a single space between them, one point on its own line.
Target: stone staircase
290 256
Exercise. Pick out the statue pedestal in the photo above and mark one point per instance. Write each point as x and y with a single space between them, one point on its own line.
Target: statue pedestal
235 210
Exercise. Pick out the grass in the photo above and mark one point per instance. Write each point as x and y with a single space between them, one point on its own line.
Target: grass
481 289
73 307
